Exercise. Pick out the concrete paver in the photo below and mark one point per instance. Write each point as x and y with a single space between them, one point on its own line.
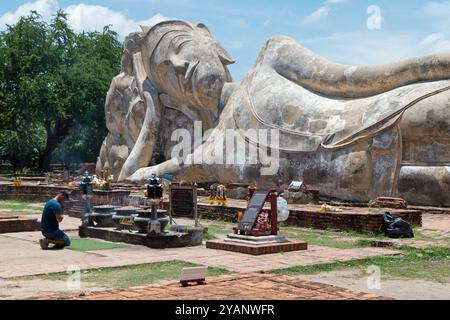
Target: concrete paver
440 222
22 251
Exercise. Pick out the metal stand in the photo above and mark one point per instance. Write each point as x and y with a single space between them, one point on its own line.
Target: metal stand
273 212
86 190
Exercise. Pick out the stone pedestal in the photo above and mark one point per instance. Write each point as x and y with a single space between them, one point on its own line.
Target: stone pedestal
256 245
162 241
195 233
238 238
10 223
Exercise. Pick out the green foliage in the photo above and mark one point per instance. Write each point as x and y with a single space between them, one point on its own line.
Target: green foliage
52 89
22 147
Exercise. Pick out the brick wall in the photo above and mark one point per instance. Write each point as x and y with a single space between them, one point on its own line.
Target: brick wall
372 222
44 193
19 225
29 193
361 222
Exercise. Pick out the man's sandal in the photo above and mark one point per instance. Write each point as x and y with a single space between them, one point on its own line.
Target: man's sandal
44 244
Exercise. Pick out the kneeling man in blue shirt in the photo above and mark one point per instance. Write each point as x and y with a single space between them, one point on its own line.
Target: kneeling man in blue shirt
51 217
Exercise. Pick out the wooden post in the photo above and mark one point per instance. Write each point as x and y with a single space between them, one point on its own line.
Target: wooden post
170 204
194 196
251 191
273 212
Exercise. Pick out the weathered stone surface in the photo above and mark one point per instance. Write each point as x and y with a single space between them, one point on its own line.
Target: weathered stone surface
299 197
388 202
166 240
257 249
353 132
9 223
172 75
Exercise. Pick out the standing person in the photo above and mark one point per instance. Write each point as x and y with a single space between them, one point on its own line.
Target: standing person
51 217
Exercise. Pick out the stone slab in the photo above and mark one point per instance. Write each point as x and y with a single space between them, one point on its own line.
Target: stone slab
165 240
18 224
32 260
259 243
257 249
260 239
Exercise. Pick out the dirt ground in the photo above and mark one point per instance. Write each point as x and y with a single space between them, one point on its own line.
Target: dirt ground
405 289
22 289
352 279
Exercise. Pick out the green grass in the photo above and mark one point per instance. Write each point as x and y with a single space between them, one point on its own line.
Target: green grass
329 238
428 264
89 245
21 207
129 276
215 229
432 235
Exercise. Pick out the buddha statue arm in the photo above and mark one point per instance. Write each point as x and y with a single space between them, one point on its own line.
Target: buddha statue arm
298 64
142 151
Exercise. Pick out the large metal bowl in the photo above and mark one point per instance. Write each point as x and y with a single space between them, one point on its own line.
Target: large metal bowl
142 219
102 216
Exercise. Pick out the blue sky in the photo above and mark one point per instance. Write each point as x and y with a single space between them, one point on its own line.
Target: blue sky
341 30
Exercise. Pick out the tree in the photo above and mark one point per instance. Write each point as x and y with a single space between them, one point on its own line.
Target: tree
53 78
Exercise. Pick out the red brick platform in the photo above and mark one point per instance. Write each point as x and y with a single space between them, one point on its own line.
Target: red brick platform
10 223
244 286
257 249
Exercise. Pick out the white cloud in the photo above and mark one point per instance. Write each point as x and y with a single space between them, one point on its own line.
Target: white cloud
44 7
82 16
432 39
318 15
441 47
323 12
94 17
365 47
435 43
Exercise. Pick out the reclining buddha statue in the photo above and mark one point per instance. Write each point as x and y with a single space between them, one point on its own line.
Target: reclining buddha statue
353 132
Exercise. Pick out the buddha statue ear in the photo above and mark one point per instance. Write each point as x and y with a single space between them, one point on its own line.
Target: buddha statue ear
204 27
223 55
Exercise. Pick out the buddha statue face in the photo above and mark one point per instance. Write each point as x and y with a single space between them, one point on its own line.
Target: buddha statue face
186 62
